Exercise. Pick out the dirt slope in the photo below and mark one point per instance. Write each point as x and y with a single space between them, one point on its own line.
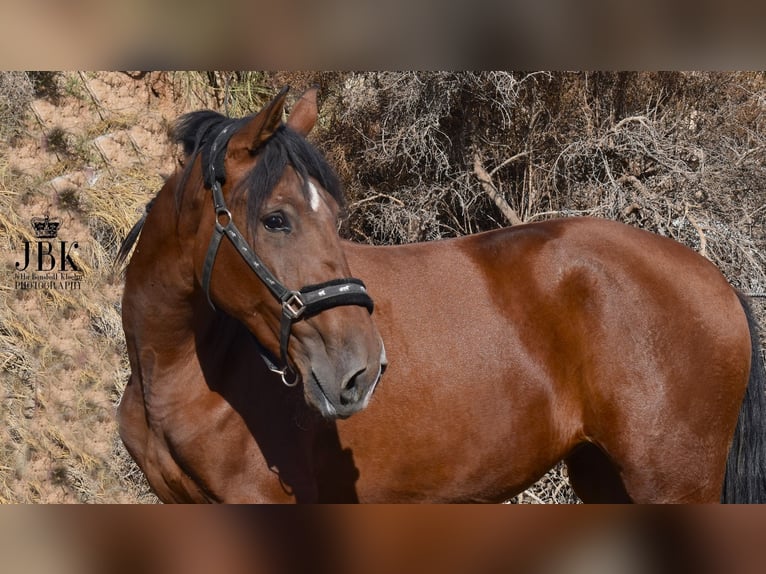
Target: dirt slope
90 157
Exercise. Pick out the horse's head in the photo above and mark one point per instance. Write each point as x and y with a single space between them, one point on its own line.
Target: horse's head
267 251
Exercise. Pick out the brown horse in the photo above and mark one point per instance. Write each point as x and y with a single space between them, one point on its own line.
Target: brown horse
623 353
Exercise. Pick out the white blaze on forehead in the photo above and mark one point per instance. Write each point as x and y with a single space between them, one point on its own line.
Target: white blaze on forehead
313 197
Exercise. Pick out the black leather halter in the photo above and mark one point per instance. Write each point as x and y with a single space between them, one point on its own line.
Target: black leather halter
296 305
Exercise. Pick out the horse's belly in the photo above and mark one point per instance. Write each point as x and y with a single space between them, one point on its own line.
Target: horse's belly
486 451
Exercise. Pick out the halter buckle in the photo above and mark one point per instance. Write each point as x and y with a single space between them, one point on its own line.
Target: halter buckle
293 306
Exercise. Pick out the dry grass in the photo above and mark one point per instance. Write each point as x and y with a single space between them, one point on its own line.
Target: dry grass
678 154
62 351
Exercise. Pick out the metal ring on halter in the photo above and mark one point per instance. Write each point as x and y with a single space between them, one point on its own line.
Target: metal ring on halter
283 374
276 370
222 212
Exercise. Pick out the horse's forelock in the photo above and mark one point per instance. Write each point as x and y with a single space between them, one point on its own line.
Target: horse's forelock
195 129
286 147
196 132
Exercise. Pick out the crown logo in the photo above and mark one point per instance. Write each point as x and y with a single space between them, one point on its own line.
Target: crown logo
45 227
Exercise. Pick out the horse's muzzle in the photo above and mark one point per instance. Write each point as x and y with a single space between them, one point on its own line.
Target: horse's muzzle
341 399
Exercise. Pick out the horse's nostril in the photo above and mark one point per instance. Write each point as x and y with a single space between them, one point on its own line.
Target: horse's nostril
349 390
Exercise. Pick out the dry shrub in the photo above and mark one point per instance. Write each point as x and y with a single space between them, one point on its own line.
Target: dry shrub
679 154
16 92
403 143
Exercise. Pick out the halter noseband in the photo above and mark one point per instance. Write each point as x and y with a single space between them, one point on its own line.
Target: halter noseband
296 305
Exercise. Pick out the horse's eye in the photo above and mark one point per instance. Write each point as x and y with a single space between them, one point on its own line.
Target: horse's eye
276 222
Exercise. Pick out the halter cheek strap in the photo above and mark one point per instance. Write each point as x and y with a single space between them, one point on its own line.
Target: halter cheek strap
296 305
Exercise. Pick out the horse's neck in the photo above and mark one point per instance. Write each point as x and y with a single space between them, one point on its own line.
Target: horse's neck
163 312
159 284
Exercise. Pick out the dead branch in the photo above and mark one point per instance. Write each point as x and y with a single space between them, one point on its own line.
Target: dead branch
486 182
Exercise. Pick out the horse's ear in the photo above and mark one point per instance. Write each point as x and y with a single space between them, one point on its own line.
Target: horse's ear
304 114
261 127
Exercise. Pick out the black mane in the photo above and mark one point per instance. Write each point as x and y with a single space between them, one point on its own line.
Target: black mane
197 131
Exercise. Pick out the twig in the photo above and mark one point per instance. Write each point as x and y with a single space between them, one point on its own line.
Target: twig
632 179
378 196
136 147
535 499
698 229
486 182
741 159
102 153
507 161
37 116
99 106
640 119
564 213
